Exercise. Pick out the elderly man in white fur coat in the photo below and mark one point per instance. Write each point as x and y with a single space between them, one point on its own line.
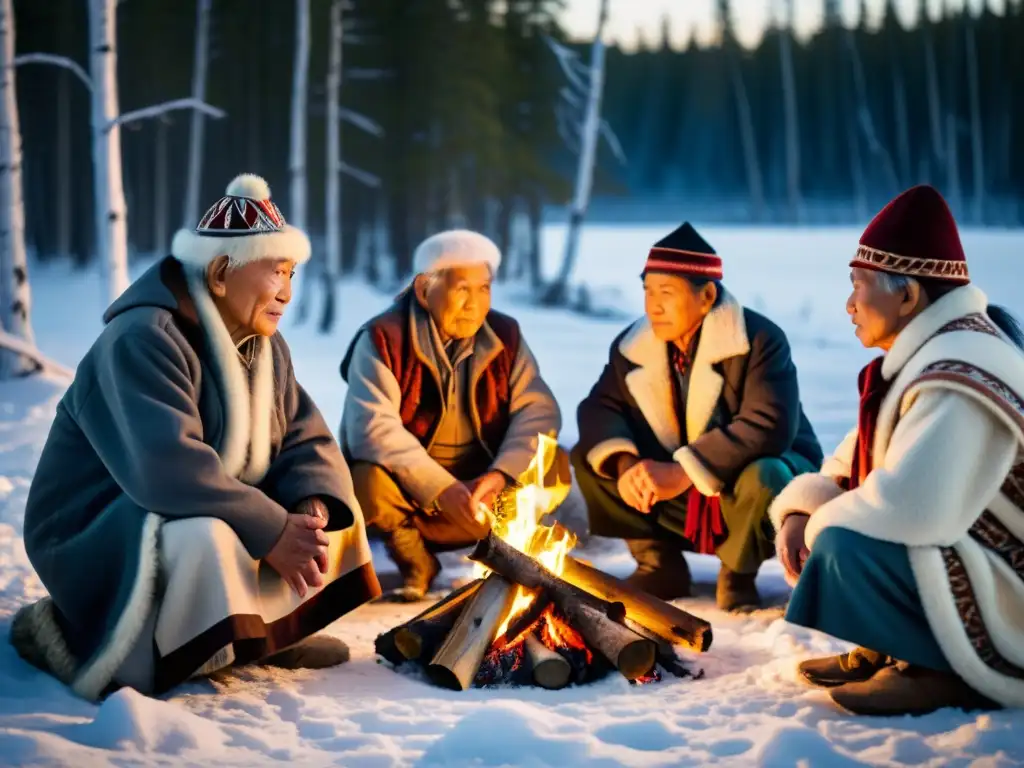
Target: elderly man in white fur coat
191 509
910 542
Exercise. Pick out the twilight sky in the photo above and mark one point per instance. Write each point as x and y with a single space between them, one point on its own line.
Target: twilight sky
633 20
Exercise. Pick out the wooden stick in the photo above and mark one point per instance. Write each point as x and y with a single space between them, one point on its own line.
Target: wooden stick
456 663
424 634
386 644
664 619
550 669
631 654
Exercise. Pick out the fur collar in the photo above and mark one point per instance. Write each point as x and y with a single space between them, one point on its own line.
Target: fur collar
245 445
966 300
723 335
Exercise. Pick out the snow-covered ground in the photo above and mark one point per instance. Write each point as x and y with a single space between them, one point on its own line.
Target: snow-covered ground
748 710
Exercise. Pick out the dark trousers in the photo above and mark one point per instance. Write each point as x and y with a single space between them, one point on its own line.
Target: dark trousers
862 590
750 539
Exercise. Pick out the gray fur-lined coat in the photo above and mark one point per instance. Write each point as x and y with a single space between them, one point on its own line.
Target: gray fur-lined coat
160 422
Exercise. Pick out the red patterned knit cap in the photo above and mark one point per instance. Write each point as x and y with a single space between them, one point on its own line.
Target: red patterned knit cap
914 235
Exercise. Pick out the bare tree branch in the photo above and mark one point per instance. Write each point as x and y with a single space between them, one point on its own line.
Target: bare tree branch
566 59
59 61
613 142
158 110
362 122
364 177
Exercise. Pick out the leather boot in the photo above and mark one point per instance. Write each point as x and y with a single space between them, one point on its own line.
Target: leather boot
417 564
905 689
661 569
315 652
858 665
737 592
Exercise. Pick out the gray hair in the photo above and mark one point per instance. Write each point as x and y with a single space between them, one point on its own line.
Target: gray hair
892 283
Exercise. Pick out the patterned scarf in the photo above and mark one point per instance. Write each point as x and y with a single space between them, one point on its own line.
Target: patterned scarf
873 389
705 526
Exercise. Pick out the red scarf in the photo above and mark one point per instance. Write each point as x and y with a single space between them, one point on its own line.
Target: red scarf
705 526
873 389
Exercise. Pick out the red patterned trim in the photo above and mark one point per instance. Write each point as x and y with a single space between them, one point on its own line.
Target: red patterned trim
971 618
992 534
1013 488
980 381
705 264
872 258
974 322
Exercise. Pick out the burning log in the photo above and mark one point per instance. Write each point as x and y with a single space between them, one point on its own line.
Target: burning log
595 619
673 624
423 635
526 619
550 669
426 630
456 662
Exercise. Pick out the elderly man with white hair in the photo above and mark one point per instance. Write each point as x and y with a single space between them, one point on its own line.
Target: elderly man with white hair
191 509
445 402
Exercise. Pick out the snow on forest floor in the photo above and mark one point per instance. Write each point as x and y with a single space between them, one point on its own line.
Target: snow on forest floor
748 710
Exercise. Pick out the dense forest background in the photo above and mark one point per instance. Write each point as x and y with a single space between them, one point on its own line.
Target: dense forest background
465 94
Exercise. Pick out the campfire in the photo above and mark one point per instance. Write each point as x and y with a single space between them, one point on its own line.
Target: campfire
533 614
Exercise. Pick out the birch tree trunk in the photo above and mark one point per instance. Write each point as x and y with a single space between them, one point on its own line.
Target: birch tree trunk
332 263
15 296
196 139
110 208
589 134
792 117
977 142
300 93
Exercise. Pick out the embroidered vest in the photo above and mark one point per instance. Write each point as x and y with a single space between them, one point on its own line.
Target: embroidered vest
421 405
987 530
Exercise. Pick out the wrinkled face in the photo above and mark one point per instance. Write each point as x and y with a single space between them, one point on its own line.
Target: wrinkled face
877 314
458 299
251 298
674 306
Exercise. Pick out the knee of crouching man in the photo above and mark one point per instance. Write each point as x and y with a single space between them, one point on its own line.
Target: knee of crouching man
767 474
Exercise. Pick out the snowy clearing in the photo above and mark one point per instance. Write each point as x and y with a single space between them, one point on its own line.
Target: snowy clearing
749 709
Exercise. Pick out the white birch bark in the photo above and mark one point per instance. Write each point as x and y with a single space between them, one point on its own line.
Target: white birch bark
300 82
589 135
110 207
333 251
15 296
197 139
332 261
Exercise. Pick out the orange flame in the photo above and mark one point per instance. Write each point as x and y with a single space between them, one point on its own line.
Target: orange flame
522 528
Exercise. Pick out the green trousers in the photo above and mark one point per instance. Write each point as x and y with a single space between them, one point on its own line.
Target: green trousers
751 538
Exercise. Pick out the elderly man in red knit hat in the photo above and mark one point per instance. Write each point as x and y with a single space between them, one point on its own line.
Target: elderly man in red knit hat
910 542
444 406
693 428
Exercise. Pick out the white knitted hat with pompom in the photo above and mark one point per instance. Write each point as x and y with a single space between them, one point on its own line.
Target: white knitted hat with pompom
245 226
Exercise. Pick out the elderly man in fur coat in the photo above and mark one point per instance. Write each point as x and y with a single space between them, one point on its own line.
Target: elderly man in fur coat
910 542
445 402
693 428
191 509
